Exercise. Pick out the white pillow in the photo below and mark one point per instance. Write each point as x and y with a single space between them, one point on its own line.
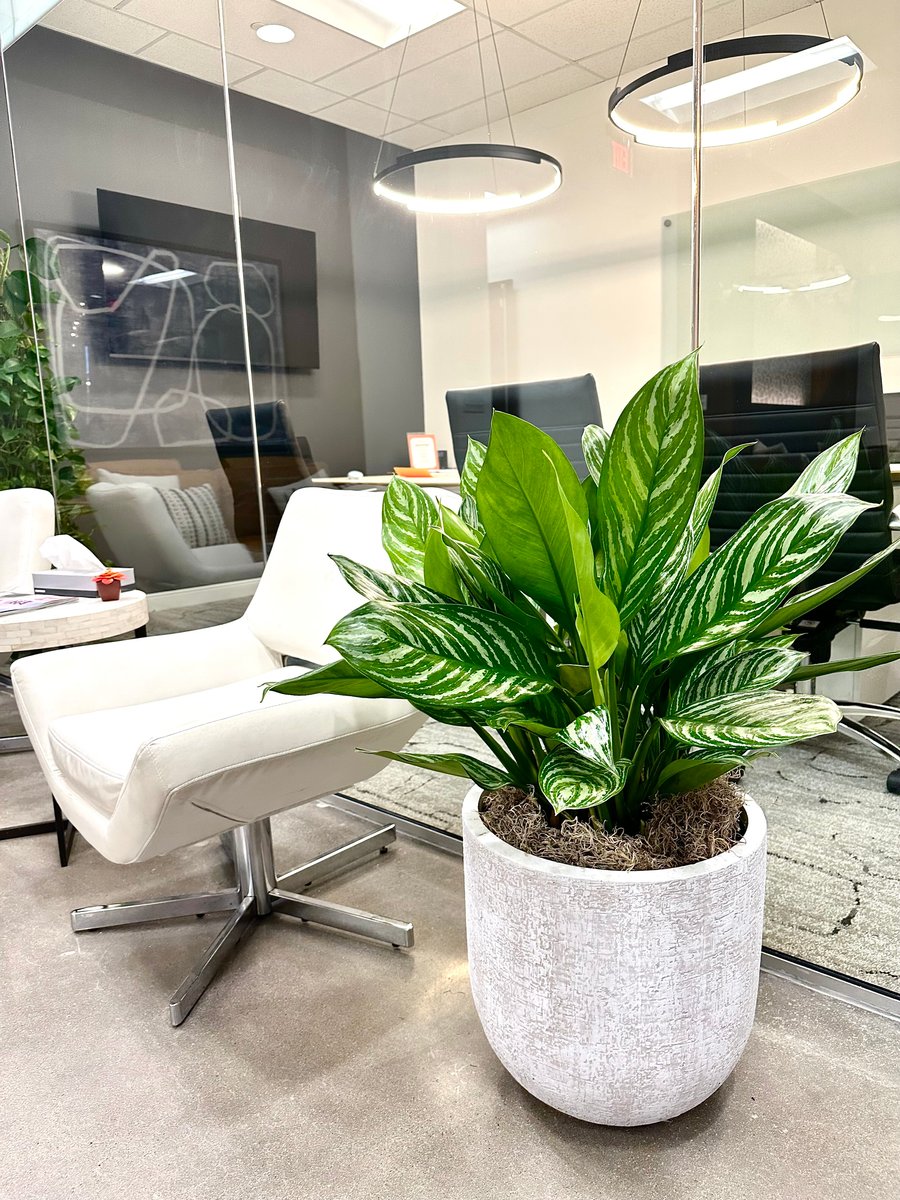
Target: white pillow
157 481
196 515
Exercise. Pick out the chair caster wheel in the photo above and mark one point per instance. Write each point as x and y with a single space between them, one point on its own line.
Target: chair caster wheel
383 850
199 916
893 782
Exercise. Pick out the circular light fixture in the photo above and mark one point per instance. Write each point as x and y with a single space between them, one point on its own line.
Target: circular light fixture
784 79
778 289
473 186
276 34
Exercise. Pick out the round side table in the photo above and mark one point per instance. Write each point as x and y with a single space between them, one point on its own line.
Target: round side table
71 624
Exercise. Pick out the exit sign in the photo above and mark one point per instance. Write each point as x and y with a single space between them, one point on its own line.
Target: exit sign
621 156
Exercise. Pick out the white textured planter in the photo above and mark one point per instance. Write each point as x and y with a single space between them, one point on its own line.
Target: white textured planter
622 998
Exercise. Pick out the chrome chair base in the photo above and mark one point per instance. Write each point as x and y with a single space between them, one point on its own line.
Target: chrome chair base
257 893
872 737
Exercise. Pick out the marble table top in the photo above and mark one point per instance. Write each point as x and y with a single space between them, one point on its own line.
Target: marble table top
72 624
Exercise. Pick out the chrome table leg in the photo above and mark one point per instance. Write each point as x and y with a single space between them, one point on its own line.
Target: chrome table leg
134 912
337 860
339 916
236 928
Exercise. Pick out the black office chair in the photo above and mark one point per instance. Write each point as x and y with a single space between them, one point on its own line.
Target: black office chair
561 407
792 408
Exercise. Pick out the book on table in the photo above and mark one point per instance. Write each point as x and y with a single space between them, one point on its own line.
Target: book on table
15 602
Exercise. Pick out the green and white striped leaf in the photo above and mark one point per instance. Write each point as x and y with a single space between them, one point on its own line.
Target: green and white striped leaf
406 516
334 679
815 670
747 578
447 656
520 509
830 471
485 581
757 669
454 526
468 510
590 736
751 720
379 585
807 601
594 441
468 476
649 480
697 770
464 766
571 782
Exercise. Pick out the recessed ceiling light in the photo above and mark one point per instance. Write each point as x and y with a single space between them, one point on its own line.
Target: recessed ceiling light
379 22
890 317
278 34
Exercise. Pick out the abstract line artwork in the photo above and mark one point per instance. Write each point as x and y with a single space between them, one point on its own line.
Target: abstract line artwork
155 336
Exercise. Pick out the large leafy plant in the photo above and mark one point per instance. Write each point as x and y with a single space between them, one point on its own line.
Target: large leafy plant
583 629
36 452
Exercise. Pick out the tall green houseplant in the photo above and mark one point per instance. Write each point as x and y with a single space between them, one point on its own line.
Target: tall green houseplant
583 629
35 453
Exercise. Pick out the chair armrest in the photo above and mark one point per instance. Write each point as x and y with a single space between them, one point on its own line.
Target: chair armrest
115 674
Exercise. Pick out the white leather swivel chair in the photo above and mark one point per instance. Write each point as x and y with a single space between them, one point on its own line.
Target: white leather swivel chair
155 744
26 520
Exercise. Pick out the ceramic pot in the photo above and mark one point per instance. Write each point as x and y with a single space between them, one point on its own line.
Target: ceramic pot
619 997
110 591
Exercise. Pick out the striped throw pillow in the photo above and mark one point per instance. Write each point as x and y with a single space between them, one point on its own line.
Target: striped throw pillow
197 516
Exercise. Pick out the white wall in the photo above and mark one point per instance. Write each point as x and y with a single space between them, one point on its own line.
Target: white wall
584 271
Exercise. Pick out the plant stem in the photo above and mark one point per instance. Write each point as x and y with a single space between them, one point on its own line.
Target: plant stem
496 749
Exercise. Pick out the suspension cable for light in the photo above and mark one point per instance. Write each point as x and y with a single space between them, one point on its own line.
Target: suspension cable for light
501 176
802 56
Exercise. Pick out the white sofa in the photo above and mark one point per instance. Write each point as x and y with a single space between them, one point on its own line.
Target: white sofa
140 533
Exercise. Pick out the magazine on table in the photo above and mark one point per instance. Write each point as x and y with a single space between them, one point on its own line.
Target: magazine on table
17 602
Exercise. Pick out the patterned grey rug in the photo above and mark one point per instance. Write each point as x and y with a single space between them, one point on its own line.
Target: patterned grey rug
834 844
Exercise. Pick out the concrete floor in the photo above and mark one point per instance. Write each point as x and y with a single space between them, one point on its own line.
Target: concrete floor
321 1067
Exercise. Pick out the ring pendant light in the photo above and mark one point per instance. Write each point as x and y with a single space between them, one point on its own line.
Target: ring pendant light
467 178
801 56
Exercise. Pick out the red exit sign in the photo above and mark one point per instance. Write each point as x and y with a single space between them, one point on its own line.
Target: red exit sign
621 156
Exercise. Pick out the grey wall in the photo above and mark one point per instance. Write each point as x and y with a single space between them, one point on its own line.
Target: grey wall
86 117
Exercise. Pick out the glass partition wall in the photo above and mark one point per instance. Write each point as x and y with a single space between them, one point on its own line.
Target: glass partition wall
219 375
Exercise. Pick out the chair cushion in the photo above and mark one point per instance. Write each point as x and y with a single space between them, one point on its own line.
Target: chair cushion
94 751
196 514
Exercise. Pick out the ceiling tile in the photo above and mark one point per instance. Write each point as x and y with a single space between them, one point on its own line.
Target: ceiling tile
195 58
424 47
353 114
414 137
106 26
472 116
513 12
578 28
194 20
287 91
545 88
456 79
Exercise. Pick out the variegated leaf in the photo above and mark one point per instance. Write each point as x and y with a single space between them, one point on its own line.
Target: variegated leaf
807 601
464 766
753 719
571 782
468 477
594 441
830 471
454 526
648 484
406 516
747 578
468 510
438 569
486 581
447 656
755 670
590 736
379 585
519 505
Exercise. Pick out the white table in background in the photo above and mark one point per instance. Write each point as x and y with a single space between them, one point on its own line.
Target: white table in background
71 624
438 479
